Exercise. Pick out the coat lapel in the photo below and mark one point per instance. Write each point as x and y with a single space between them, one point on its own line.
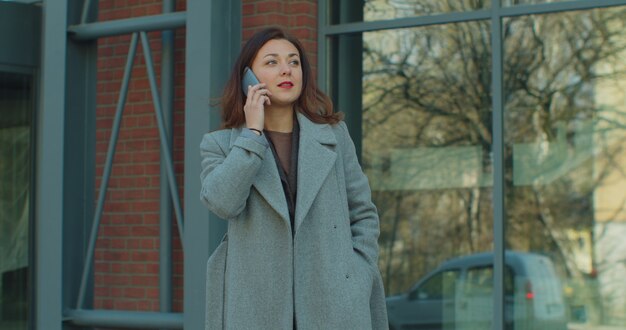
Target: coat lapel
316 157
267 181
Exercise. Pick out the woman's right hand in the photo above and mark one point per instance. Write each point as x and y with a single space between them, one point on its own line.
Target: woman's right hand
254 109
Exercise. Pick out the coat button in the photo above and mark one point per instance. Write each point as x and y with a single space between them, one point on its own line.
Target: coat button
335 226
347 275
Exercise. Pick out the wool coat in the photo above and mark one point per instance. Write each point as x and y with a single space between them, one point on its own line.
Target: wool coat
325 275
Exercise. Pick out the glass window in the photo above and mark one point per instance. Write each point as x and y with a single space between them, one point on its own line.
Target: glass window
565 133
16 105
423 109
349 11
426 135
423 112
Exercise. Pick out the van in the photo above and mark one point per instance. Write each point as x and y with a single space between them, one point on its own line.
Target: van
458 295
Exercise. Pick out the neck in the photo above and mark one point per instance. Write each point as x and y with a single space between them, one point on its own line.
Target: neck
279 119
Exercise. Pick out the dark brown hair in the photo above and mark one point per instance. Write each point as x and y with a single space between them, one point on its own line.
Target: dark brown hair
313 103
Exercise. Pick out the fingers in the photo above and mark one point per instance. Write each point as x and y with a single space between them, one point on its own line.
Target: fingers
254 108
258 94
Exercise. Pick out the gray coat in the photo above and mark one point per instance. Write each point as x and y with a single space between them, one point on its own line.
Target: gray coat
260 274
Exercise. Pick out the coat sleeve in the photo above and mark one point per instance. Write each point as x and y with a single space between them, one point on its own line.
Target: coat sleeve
364 222
227 176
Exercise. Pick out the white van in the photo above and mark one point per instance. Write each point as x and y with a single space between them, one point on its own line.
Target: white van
458 296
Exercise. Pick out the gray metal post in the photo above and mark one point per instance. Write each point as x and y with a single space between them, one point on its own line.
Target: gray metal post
197 121
213 40
79 161
349 92
165 212
499 215
322 45
49 169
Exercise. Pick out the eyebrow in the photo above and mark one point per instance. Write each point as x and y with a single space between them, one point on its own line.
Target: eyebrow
276 55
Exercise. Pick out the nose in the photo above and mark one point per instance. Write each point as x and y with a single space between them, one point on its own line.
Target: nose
285 70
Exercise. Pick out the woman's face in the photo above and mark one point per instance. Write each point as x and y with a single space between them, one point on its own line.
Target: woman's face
277 64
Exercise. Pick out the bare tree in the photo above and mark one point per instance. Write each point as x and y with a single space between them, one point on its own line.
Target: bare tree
430 88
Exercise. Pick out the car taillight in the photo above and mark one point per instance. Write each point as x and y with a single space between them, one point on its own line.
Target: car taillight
529 291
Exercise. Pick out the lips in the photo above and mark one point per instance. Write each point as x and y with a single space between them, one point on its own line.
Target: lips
285 84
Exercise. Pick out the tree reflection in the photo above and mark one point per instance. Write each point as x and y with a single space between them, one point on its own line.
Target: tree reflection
417 95
388 9
430 88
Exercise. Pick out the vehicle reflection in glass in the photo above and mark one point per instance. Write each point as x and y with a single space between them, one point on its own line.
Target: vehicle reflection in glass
458 295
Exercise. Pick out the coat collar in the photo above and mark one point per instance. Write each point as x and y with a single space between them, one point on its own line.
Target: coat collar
316 157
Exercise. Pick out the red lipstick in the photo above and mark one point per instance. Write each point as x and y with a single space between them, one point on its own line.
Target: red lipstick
285 84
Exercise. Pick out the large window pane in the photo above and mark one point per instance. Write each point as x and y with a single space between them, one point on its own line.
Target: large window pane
565 133
348 11
426 146
16 106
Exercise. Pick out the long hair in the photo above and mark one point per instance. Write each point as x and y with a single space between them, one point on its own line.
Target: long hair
313 103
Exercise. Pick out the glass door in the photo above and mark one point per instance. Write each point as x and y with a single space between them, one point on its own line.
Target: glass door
16 145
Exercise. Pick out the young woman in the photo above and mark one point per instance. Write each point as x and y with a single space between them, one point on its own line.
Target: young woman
301 249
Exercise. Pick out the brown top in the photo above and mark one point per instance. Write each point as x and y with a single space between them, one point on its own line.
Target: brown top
282 145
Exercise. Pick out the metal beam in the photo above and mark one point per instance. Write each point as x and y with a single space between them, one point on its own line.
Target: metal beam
85 12
406 22
456 17
165 211
555 7
349 96
213 41
197 121
123 319
108 165
50 176
128 25
497 149
322 46
165 148
80 138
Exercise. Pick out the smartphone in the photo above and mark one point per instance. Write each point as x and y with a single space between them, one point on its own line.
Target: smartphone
249 79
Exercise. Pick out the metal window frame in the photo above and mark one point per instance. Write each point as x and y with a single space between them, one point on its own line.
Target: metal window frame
49 170
65 153
495 14
23 60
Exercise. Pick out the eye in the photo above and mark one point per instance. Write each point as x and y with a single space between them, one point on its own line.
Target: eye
271 62
295 62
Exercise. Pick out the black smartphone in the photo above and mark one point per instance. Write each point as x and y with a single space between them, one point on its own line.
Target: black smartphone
249 79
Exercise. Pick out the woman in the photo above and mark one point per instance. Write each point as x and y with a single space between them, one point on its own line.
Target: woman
301 249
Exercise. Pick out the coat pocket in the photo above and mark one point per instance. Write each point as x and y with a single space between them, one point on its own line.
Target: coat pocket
363 266
374 288
215 282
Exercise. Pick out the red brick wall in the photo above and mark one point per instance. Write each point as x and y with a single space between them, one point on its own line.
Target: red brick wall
127 250
297 17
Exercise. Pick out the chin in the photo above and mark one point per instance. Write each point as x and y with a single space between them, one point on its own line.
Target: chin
286 101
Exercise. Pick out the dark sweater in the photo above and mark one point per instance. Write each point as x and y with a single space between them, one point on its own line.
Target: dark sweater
285 149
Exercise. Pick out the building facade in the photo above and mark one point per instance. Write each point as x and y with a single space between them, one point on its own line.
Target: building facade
491 127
